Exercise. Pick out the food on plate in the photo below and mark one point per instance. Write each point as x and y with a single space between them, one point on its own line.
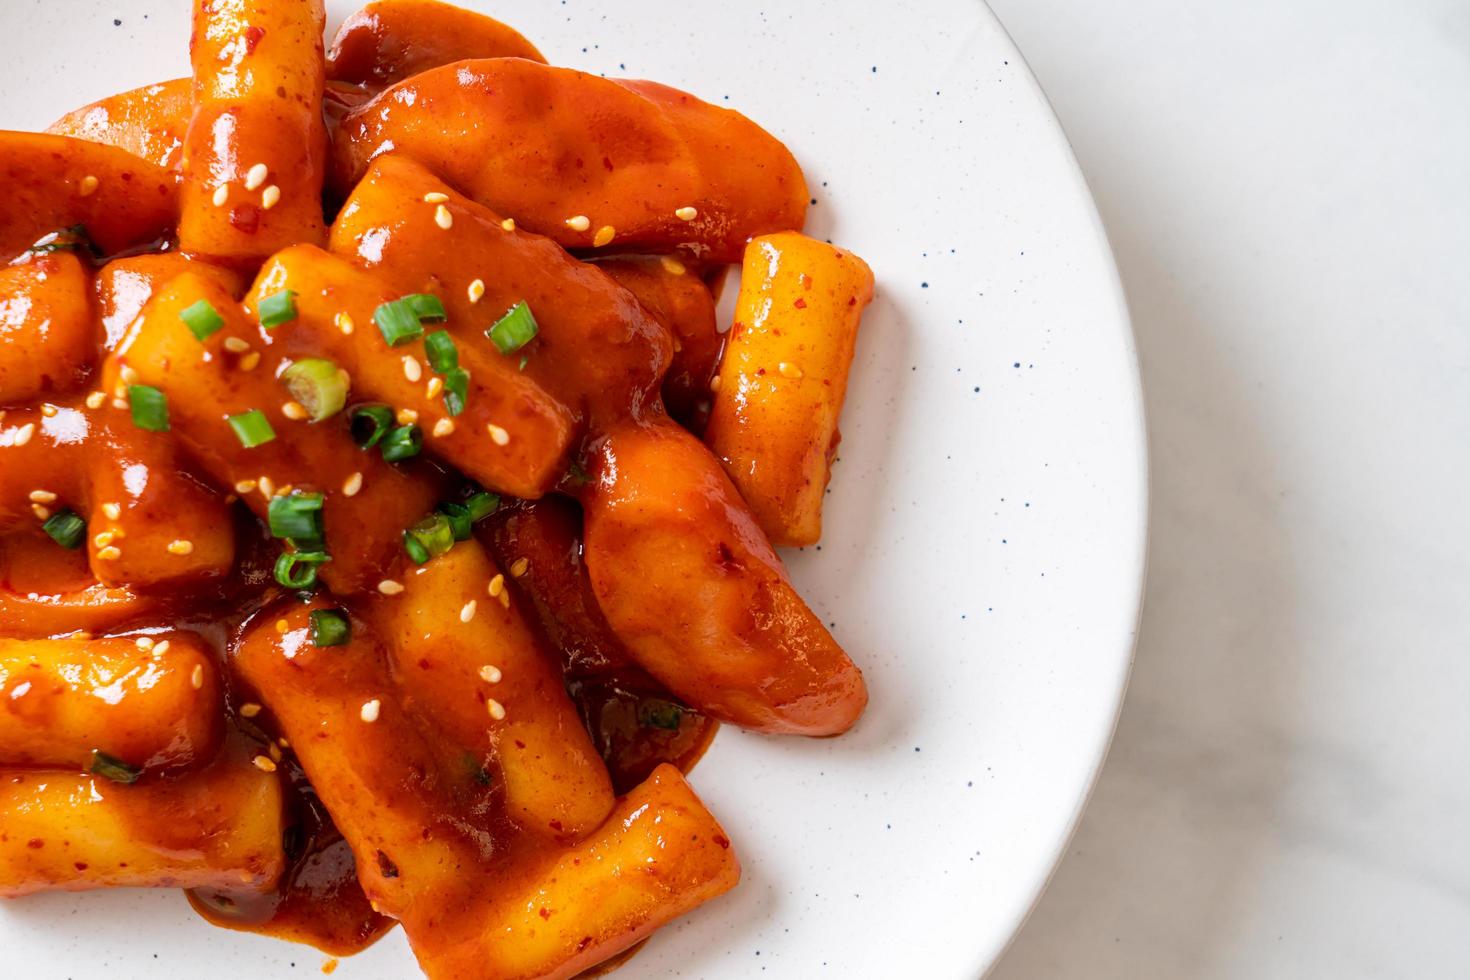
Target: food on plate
587 161
58 184
389 40
784 377
386 523
148 122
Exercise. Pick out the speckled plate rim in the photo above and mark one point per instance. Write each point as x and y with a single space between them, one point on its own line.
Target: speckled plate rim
989 959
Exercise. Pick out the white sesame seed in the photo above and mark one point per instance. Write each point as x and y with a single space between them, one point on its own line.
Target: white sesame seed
604 236
181 546
519 567
267 487
443 218
119 403
112 511
467 611
102 538
48 410
686 213
109 553
256 176
270 197
497 585
264 763
282 626
24 433
41 511
671 265
496 709
370 710
443 427
248 362
579 222
120 390
161 647
435 385
351 485
43 496
788 370
476 290
284 491
96 398
249 710
197 677
82 635
245 486
714 384
490 674
295 411
509 224
221 195
407 416
390 587
88 186
435 197
236 345
274 751
344 323
128 374
505 598
144 642
497 435
412 370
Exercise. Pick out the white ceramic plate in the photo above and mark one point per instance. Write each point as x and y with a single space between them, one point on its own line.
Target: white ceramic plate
985 530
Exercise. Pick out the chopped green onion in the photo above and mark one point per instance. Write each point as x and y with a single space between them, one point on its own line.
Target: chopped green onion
403 442
149 406
458 516
522 366
514 330
297 516
370 423
252 428
402 319
113 768
417 553
443 355
297 569
425 306
656 713
456 390
398 323
482 505
330 627
432 534
202 319
66 529
461 515
277 308
319 385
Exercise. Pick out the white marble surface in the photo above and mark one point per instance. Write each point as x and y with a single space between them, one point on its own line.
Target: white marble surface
1287 187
